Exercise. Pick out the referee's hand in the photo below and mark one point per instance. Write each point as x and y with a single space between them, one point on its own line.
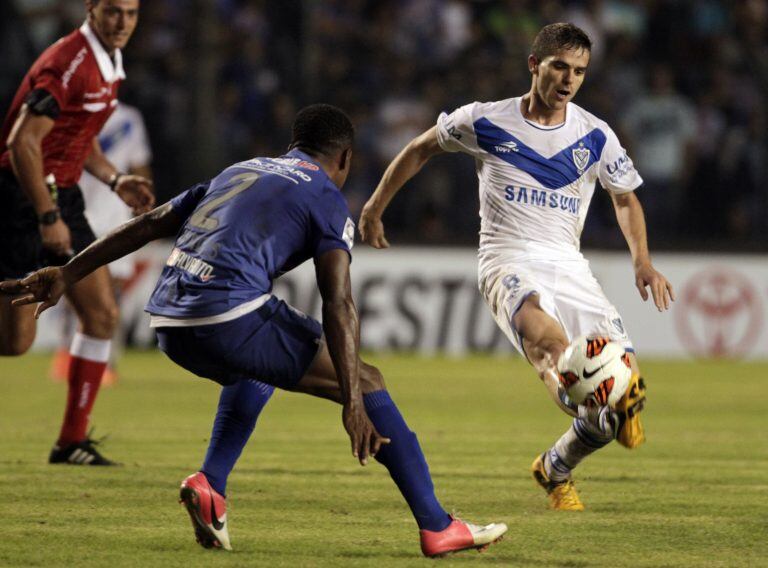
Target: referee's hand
137 192
46 286
56 238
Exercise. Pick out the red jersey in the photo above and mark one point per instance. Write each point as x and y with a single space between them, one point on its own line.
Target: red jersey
79 73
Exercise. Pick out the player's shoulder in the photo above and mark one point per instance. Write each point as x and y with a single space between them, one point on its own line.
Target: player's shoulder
329 190
489 108
67 53
580 115
326 200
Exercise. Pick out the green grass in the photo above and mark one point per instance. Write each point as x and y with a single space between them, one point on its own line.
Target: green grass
695 495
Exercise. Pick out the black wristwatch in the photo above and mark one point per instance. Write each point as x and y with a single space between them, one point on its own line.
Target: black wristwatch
49 217
113 179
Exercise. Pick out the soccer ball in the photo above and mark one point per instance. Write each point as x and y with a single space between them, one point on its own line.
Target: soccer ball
594 369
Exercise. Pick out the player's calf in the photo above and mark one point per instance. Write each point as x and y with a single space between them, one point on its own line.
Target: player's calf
371 379
542 336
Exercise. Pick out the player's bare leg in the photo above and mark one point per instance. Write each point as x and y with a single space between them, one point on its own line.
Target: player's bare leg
118 340
93 301
544 340
17 327
440 533
320 380
59 368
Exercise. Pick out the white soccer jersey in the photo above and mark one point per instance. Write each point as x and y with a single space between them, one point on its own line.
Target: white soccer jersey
536 182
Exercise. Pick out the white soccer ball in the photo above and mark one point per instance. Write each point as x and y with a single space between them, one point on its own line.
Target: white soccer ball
594 369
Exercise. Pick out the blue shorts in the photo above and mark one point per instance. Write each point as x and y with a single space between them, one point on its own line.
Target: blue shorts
274 344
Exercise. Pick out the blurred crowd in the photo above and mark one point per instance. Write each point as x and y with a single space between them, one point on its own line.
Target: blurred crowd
682 83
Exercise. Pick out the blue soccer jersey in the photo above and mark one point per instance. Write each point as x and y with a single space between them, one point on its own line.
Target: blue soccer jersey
253 222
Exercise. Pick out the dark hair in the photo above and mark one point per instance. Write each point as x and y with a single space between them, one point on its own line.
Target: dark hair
557 37
322 129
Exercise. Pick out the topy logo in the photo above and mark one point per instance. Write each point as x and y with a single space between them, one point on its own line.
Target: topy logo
506 147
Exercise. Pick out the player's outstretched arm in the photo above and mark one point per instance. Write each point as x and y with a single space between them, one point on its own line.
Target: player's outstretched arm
405 165
342 333
629 214
47 285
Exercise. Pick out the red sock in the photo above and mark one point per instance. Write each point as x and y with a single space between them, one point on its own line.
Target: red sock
88 361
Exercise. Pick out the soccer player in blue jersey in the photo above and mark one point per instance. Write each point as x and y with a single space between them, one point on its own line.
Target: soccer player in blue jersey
216 317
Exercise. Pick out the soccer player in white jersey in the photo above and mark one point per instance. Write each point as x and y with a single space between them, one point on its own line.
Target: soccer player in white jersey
538 158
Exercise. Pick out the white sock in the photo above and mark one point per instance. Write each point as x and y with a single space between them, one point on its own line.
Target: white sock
90 348
579 441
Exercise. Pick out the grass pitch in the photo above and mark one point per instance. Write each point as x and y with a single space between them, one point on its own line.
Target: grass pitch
695 495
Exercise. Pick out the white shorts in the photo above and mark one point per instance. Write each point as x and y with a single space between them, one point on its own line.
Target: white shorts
105 211
567 291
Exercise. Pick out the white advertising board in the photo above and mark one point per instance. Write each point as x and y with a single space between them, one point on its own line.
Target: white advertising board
426 300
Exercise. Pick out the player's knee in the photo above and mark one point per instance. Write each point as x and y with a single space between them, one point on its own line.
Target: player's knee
101 322
554 348
371 379
545 352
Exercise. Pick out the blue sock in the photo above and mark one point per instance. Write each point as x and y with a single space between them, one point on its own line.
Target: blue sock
405 461
239 407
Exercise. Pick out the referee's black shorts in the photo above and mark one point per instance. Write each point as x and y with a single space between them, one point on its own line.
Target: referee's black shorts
21 247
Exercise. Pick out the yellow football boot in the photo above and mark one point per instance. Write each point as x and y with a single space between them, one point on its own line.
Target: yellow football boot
562 495
630 433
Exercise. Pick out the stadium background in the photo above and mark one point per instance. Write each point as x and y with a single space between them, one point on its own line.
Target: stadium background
682 82
219 81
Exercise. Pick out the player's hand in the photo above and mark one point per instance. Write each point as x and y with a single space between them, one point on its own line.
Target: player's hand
661 289
45 286
372 229
366 441
137 192
56 238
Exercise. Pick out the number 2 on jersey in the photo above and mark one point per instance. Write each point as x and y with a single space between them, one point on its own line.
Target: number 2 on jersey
201 218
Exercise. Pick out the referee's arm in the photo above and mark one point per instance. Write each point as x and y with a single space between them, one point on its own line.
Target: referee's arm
25 146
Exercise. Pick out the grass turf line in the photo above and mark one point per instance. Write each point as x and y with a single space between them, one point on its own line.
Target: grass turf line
696 494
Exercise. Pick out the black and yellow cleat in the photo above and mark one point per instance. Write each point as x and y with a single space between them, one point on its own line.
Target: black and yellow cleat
630 432
562 495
